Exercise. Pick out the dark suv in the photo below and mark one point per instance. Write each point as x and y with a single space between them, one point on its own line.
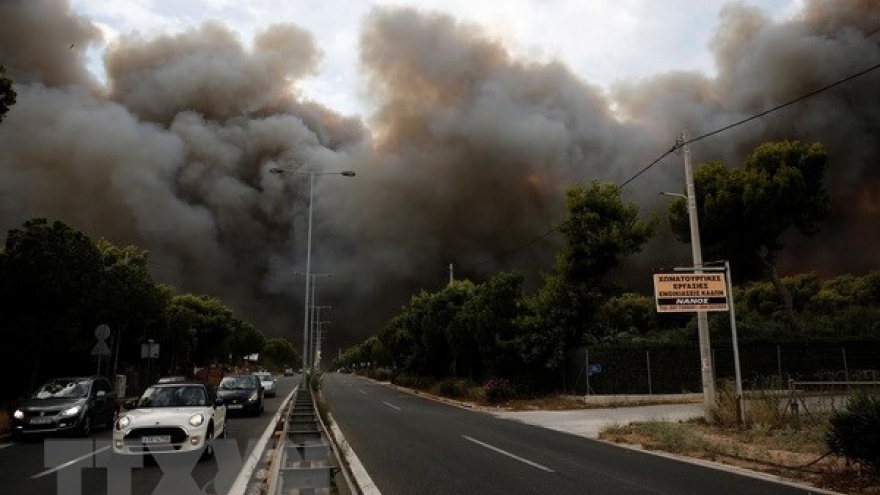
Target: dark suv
66 405
241 393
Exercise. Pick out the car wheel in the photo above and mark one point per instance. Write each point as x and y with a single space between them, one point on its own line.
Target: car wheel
208 450
85 426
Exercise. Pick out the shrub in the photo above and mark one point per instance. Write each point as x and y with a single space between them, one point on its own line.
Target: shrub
315 381
498 390
410 381
453 388
5 422
382 375
855 432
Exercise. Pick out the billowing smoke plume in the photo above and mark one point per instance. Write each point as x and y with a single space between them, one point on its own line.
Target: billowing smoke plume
466 158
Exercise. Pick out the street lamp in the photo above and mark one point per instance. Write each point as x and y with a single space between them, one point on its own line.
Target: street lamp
314 284
311 174
690 196
318 340
316 330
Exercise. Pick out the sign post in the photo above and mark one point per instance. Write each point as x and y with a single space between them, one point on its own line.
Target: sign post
101 348
149 351
684 290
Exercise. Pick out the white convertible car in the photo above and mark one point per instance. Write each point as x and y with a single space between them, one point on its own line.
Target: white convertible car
170 418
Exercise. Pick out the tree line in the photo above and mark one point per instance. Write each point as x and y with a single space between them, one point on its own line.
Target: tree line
57 286
495 329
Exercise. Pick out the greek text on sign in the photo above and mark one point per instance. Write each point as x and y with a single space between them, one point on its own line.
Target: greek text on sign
679 292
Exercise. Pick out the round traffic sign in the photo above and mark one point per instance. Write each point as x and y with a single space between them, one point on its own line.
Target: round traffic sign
102 332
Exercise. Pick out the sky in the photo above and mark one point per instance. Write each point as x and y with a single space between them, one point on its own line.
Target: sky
603 41
158 124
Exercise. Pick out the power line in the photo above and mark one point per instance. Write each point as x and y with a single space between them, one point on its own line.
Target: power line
680 143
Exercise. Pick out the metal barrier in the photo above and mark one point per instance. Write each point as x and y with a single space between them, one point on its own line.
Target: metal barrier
306 460
808 397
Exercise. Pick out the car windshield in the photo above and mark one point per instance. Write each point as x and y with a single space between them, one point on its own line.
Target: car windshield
237 383
265 377
63 389
177 396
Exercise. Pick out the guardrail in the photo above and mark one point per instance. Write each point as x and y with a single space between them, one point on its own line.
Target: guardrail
306 459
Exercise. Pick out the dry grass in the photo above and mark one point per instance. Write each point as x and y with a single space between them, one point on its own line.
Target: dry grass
794 453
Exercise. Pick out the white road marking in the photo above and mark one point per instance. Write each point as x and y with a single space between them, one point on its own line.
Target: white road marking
4 445
508 454
361 391
68 463
392 406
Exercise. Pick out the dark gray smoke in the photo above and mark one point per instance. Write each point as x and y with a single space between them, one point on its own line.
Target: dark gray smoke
466 158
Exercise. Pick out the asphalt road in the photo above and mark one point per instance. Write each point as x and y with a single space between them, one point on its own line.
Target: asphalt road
410 444
44 467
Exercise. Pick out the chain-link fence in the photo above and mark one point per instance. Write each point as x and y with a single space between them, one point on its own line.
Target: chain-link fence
674 370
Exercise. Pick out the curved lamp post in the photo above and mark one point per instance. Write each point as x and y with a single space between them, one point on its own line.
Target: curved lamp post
311 174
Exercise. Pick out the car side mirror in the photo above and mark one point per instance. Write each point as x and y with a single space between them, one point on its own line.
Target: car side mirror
129 404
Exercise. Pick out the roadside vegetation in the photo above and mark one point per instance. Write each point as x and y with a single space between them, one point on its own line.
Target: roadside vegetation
57 286
836 451
509 342
519 336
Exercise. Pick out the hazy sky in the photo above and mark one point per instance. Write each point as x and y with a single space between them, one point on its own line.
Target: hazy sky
603 41
157 124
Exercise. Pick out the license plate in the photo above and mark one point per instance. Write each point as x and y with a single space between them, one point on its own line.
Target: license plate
156 439
234 406
40 420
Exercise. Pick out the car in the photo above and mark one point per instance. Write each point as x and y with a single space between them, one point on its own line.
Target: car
268 382
171 418
171 379
288 371
242 393
69 406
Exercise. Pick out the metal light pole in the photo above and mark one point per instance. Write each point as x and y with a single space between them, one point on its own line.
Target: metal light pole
311 174
314 284
319 340
316 329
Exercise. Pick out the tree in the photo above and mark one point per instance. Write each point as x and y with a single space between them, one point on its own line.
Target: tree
745 213
280 352
600 232
207 321
244 338
7 93
129 301
50 272
484 331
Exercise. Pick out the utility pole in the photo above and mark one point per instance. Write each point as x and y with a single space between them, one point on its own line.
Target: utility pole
450 274
706 366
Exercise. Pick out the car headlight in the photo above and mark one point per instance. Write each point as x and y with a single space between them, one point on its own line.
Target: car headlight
196 419
18 414
254 396
123 422
73 411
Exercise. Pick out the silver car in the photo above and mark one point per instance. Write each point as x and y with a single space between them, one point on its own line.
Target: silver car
268 382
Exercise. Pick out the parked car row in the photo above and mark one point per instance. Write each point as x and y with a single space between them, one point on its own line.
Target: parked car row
171 416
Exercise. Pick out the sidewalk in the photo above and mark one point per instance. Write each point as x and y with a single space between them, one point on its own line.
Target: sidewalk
589 422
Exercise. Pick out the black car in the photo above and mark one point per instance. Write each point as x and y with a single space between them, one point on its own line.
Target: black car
241 393
73 405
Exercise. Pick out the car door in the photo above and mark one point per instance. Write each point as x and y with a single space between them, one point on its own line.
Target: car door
104 401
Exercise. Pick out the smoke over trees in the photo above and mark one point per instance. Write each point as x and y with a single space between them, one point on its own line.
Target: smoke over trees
468 154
